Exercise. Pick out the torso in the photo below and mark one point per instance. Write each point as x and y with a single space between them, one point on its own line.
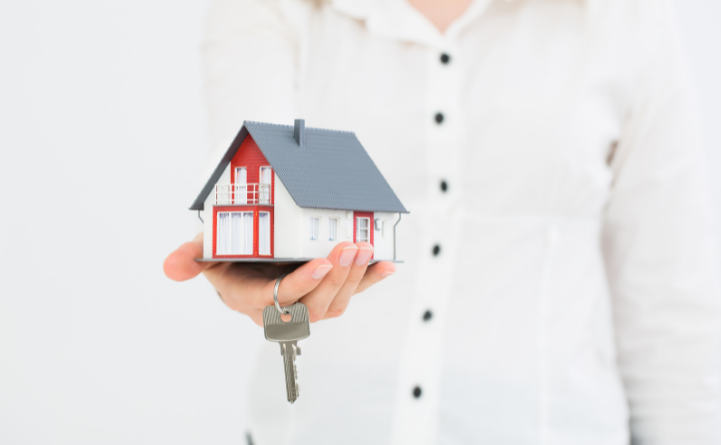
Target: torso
529 117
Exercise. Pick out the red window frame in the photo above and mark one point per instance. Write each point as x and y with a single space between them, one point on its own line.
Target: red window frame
256 233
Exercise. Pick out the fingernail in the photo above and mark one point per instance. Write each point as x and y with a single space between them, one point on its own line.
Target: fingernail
347 255
321 271
387 273
364 255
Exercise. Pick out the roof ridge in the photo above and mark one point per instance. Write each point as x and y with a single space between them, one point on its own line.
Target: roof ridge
291 126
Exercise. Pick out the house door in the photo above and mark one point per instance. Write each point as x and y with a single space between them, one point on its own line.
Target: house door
362 228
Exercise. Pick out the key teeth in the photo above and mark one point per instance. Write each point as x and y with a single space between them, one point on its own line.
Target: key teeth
289 351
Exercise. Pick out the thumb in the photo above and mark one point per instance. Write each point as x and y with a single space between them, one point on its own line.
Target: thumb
180 265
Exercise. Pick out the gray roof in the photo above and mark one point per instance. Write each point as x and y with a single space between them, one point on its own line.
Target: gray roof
331 171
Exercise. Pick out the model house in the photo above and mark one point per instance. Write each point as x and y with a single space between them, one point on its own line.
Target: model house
290 193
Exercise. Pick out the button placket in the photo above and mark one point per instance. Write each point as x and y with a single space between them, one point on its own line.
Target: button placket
444 124
420 370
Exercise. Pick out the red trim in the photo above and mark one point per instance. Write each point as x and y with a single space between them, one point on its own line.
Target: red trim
272 186
272 233
250 157
256 221
371 225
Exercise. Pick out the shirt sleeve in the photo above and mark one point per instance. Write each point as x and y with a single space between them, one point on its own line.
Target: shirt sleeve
250 59
660 253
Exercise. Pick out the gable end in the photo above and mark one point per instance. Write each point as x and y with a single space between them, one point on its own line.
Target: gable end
199 203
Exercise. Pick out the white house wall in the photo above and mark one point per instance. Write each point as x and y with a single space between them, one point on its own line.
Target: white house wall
208 215
382 239
322 247
286 225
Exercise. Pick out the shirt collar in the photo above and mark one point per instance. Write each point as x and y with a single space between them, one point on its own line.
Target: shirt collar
397 19
393 19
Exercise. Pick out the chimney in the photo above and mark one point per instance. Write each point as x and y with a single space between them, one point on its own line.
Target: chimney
299 132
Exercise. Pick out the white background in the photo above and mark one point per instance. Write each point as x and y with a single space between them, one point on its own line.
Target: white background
102 138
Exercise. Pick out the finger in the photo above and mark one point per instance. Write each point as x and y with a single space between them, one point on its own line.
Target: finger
357 270
375 273
244 289
318 300
180 265
298 283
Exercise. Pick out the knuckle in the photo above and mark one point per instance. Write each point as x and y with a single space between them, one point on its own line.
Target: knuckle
356 275
335 312
315 315
336 281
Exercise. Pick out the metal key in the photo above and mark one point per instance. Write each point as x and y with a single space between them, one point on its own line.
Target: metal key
287 334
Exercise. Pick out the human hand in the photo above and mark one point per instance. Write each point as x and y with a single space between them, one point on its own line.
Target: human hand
324 285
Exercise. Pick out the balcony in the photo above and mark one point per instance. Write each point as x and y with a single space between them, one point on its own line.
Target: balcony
229 194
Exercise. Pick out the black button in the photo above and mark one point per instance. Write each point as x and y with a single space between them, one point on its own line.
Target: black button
436 250
427 316
439 118
445 58
417 392
444 186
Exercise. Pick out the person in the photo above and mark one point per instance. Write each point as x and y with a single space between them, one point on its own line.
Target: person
560 283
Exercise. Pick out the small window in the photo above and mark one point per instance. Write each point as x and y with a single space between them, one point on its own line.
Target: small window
241 175
363 233
314 228
264 185
332 229
265 175
240 190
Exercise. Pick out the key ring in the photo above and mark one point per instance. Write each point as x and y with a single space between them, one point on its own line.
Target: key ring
275 296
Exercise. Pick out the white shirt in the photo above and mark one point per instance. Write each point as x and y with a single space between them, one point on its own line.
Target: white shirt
573 299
